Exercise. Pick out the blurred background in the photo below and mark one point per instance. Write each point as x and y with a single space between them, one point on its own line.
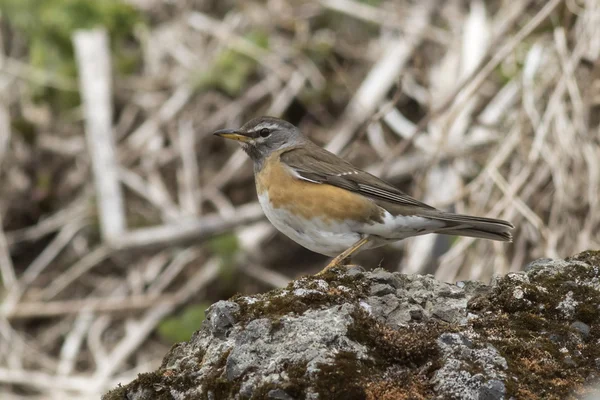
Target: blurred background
122 219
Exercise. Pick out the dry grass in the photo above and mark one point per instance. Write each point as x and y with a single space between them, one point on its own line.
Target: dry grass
107 211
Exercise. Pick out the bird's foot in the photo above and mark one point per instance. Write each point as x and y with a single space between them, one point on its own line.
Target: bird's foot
335 263
344 258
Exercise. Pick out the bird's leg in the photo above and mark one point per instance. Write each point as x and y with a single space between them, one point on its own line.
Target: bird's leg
339 260
347 263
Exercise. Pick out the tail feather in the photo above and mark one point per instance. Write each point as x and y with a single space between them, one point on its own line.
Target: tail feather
476 233
478 227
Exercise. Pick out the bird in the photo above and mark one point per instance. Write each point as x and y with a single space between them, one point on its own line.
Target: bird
329 206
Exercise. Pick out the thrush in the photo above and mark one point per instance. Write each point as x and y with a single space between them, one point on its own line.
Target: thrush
331 207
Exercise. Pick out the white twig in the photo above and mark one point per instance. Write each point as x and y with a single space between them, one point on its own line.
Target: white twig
380 16
172 270
167 111
49 309
481 75
190 191
40 263
285 96
93 60
211 26
7 269
138 333
44 381
196 229
5 130
43 77
153 193
77 210
86 263
265 275
382 77
73 342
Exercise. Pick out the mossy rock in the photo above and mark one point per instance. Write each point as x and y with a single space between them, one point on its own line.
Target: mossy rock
351 334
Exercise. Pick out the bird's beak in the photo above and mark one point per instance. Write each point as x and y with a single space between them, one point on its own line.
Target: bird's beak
233 135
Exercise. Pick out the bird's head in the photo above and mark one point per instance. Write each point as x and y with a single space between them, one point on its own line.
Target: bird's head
262 136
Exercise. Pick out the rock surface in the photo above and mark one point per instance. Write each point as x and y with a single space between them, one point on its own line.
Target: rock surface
352 334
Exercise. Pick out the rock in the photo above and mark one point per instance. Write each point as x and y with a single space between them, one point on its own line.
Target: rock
540 262
380 335
381 289
220 317
582 328
486 367
492 390
382 276
355 270
278 394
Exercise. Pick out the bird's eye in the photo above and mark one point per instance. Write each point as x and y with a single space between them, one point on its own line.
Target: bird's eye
264 132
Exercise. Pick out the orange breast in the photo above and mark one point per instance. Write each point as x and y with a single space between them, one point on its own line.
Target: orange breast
313 200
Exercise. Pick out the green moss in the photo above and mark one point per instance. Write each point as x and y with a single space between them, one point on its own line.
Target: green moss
347 377
587 313
217 383
175 353
382 376
549 290
295 386
407 345
277 303
589 257
342 379
548 357
156 385
118 393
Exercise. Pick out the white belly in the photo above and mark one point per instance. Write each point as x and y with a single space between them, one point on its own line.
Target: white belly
332 238
329 239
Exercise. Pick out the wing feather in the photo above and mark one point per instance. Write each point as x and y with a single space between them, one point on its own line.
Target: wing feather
317 165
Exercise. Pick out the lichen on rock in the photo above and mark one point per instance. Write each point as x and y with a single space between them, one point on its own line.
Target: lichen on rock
352 334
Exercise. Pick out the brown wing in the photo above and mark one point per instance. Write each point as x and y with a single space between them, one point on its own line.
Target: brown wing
315 164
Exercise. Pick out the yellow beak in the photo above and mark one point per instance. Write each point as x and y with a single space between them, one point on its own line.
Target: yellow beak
233 135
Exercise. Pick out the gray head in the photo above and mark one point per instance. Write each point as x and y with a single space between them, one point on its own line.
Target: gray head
262 136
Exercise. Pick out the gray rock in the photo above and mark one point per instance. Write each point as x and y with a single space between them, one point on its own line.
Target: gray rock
355 270
279 394
582 328
459 375
416 314
221 317
382 276
492 390
376 335
382 306
539 263
404 313
450 310
381 289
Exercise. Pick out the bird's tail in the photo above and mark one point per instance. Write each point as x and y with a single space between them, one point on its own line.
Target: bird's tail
478 227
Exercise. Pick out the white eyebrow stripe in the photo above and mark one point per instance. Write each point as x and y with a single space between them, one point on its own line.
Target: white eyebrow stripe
264 125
